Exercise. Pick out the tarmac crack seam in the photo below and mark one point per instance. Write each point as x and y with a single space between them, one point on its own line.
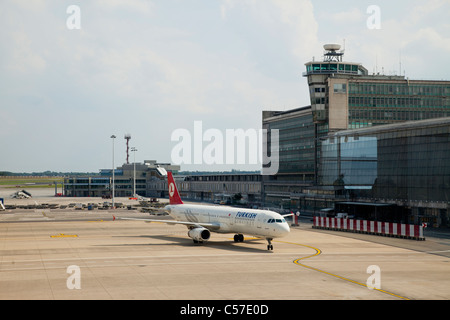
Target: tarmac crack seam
318 252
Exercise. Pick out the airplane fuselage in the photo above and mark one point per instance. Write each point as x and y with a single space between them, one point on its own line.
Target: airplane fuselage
260 223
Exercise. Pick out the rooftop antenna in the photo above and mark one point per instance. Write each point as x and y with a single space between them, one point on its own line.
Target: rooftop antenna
128 137
376 63
332 53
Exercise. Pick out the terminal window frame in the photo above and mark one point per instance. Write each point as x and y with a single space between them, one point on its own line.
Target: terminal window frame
340 88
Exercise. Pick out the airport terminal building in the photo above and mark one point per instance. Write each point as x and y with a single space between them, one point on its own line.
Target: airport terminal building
128 180
151 182
405 166
368 145
221 188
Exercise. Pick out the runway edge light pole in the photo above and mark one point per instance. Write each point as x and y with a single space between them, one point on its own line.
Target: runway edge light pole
112 196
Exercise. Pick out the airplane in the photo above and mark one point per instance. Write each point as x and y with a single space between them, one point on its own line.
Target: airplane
201 220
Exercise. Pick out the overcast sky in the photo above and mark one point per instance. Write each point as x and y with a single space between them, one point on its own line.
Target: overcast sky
149 67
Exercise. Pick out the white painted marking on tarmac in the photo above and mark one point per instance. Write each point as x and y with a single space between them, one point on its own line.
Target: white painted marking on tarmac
156 257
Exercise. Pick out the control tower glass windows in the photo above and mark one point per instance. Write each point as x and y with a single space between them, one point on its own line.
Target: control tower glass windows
327 68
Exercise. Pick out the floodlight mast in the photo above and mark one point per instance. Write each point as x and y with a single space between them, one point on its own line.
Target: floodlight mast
128 137
134 171
113 178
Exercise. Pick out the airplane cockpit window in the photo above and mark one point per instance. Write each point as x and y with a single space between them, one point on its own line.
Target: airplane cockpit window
276 220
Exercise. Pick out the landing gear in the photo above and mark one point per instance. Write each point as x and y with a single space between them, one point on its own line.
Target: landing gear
269 246
238 238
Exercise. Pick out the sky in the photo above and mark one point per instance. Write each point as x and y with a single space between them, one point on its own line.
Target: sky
150 67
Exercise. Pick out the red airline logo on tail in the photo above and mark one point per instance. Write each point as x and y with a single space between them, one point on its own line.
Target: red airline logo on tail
173 192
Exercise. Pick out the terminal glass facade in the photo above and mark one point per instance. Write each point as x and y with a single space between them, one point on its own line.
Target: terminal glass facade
296 154
375 103
350 161
296 143
406 164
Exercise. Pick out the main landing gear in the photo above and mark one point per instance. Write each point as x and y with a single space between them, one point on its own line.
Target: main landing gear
269 246
238 238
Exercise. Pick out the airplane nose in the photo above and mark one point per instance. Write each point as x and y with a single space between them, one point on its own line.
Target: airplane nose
286 228
283 229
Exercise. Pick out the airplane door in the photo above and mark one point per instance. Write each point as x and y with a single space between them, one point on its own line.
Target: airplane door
259 222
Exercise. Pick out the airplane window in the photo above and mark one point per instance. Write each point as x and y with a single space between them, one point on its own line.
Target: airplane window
270 221
279 220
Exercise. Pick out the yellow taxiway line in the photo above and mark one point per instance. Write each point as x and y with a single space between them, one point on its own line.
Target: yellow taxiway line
318 252
62 235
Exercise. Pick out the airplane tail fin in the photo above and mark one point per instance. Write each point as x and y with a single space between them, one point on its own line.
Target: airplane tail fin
173 191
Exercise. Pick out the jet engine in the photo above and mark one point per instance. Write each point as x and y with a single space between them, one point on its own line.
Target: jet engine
199 234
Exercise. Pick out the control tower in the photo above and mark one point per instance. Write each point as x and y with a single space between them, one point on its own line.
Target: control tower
320 89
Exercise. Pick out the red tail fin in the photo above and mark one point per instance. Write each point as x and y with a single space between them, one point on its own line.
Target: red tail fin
173 191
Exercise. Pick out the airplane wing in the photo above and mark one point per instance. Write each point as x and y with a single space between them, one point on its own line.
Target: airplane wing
209 226
154 210
287 215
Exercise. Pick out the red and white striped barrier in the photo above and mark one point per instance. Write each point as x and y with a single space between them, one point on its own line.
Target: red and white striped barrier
408 231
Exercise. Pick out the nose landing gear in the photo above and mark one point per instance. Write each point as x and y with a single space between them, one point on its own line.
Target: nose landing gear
269 246
240 238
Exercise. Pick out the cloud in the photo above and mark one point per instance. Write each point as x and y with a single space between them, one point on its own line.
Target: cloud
298 15
22 57
410 34
351 16
141 6
291 20
420 10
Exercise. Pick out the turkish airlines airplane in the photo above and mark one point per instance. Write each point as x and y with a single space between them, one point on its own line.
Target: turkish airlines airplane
201 220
